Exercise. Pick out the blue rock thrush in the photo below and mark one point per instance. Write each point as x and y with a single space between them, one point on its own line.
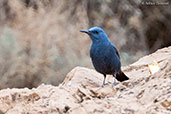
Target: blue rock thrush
104 55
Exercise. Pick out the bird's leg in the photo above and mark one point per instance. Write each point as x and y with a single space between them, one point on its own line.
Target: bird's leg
115 81
104 79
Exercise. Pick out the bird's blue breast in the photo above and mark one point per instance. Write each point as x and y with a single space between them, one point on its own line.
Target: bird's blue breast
104 58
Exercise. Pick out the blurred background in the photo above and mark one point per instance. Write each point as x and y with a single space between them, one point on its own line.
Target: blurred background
40 40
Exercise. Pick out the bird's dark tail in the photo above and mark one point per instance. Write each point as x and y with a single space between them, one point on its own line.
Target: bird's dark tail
121 76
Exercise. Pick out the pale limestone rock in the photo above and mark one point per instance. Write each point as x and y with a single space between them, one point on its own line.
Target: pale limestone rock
81 92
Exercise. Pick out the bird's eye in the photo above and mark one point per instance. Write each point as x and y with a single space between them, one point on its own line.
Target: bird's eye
96 32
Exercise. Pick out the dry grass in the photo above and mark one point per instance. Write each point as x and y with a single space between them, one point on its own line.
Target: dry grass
39 45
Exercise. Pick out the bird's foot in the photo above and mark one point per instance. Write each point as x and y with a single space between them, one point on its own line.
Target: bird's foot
104 84
114 84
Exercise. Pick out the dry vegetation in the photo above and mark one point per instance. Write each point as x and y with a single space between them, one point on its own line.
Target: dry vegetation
39 45
40 39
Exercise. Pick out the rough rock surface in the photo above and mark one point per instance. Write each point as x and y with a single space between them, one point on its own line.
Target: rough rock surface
81 91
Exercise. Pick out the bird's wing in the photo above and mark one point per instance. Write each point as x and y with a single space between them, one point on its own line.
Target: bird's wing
115 50
117 53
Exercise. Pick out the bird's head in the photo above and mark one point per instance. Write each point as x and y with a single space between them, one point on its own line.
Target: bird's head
96 34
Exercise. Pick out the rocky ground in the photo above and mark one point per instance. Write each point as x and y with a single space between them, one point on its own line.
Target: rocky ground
81 92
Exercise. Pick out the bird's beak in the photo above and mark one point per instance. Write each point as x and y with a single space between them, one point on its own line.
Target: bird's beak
85 31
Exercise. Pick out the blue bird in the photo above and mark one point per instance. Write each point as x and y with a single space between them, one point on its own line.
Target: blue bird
104 55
